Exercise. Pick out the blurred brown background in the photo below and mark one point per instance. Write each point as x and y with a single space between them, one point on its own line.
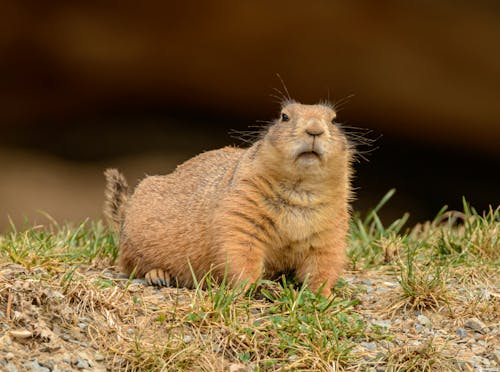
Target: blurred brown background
145 85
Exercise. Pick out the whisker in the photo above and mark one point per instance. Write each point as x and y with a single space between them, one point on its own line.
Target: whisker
251 136
360 140
338 105
279 100
261 121
284 87
281 95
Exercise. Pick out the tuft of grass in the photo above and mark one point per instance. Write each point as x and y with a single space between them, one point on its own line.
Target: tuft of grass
370 239
428 356
48 247
423 285
469 236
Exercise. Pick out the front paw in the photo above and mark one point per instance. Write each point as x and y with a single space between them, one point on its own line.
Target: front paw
158 277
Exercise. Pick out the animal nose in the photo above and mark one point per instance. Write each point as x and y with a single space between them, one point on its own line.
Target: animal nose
315 130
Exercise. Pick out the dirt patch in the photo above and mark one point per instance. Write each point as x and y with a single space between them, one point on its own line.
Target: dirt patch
94 319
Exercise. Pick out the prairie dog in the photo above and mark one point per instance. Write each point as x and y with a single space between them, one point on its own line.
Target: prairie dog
279 206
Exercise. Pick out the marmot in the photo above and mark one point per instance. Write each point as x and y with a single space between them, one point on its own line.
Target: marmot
279 206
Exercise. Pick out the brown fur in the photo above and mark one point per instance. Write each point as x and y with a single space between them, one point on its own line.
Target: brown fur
247 213
116 195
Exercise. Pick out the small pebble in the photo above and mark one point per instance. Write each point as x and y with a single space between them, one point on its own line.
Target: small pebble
495 355
187 339
9 356
485 295
9 367
461 332
82 326
21 333
382 323
369 345
422 319
48 364
475 324
419 327
386 344
82 364
34 366
478 350
99 357
390 284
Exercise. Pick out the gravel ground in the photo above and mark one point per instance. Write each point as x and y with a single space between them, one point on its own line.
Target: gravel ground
37 336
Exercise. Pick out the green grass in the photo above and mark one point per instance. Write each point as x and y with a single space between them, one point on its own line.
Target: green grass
69 273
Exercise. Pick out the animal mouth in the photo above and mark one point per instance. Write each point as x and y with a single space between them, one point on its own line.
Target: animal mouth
309 155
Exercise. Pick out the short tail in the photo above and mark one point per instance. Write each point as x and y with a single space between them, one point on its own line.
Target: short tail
116 195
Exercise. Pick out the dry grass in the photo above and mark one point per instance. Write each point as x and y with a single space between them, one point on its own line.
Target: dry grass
422 358
58 284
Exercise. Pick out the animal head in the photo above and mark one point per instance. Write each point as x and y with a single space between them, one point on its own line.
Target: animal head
305 140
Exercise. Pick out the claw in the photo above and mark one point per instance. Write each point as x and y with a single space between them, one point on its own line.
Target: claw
158 277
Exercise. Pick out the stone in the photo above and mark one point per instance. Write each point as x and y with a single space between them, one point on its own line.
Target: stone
495 355
82 364
369 345
485 295
476 325
386 344
382 323
34 366
21 333
82 326
461 332
9 367
426 322
390 284
48 364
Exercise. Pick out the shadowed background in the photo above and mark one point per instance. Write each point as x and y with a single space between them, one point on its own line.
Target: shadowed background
144 86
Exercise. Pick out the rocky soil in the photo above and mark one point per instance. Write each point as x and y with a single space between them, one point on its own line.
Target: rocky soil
47 325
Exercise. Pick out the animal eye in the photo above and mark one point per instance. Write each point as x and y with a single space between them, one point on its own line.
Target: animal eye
284 117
